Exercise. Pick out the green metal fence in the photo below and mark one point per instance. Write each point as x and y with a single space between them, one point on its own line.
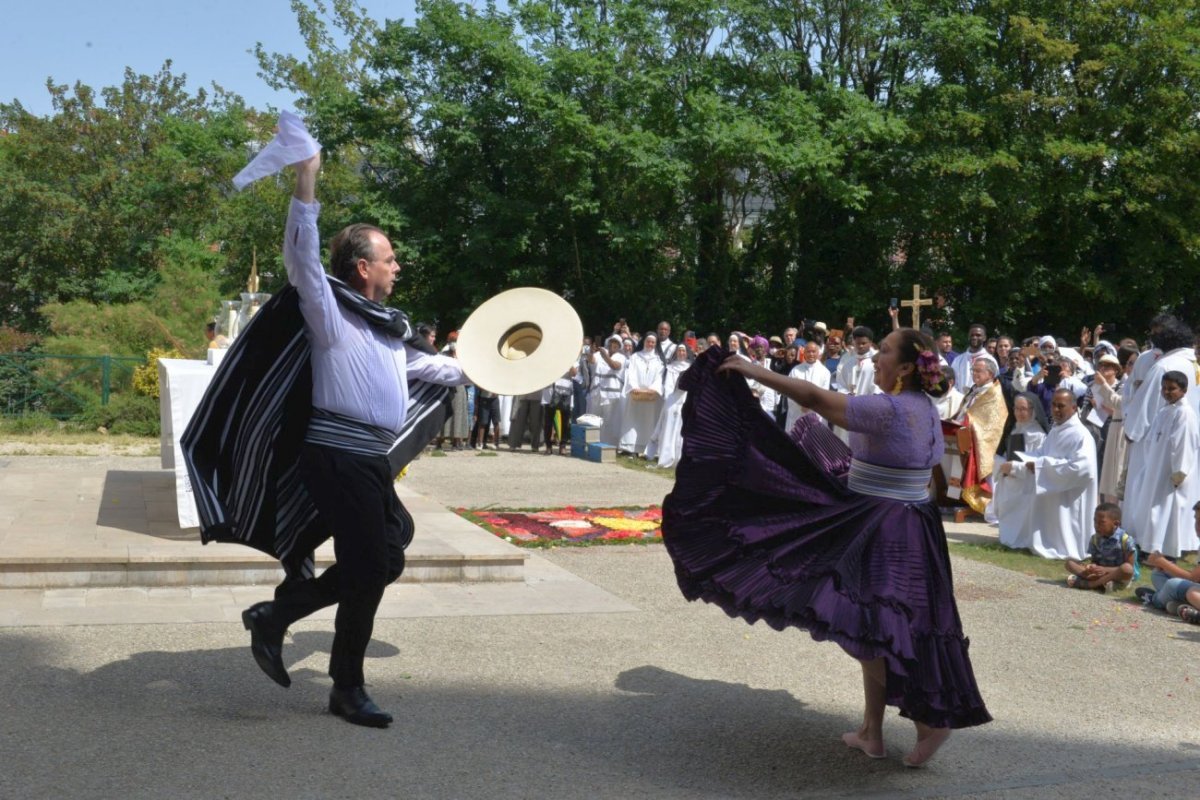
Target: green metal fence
61 385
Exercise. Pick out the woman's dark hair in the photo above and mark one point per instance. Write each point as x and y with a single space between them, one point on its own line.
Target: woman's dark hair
349 245
912 344
1171 333
1124 354
1177 378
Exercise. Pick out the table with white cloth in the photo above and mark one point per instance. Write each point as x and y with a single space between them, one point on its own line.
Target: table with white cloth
181 386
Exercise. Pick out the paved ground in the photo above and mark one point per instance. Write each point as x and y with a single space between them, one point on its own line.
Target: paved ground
672 700
524 479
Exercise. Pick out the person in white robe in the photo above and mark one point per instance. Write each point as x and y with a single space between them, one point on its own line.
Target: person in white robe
1131 398
505 404
1175 342
812 370
767 397
1027 435
608 378
666 447
642 397
856 370
1083 367
1106 391
976 339
666 348
1161 513
1046 503
949 404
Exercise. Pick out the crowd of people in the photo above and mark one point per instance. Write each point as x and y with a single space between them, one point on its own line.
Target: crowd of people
1040 433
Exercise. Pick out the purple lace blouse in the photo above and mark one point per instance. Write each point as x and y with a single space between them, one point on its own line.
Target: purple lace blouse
901 430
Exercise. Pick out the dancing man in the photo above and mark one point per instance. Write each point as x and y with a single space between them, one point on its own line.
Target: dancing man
282 462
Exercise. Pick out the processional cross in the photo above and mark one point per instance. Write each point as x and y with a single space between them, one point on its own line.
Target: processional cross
915 304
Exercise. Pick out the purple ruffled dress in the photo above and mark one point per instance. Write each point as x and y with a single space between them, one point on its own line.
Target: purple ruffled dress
765 525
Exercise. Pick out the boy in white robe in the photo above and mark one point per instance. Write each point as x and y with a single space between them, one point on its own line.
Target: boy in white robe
1045 503
1167 485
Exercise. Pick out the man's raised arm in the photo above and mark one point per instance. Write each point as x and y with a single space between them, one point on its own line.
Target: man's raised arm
306 179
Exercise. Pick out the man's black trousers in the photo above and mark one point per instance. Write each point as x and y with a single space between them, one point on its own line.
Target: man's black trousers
357 505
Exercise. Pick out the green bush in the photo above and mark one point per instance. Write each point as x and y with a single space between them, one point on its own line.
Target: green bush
129 413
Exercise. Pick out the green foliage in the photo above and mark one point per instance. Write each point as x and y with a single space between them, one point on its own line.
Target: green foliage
717 163
145 376
31 422
722 163
128 413
122 196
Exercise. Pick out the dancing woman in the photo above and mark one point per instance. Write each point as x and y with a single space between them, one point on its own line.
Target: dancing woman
797 531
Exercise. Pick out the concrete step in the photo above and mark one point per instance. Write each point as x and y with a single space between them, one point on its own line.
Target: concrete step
116 528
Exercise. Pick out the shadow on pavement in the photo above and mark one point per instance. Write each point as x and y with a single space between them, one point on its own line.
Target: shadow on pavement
141 501
207 723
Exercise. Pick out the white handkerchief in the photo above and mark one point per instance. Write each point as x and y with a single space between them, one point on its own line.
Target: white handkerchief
291 145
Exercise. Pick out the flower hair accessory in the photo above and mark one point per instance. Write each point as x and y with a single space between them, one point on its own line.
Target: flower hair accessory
929 369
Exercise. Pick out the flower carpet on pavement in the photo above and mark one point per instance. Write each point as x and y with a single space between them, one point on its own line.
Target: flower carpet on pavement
571 525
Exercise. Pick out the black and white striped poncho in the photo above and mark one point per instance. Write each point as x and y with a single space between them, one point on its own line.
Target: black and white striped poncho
242 445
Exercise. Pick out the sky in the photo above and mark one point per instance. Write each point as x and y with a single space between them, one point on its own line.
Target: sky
208 40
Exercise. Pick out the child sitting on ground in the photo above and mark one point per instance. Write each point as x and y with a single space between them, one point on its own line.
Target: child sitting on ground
1111 552
1175 589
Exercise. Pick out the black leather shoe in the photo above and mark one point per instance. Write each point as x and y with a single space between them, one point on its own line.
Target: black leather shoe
266 642
355 707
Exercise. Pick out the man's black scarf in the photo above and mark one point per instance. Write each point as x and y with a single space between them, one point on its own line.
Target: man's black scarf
243 443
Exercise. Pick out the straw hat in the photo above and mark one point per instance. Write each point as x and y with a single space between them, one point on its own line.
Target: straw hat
519 341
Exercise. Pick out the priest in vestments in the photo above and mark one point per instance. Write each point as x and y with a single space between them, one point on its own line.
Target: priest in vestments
1046 504
1160 517
643 397
983 415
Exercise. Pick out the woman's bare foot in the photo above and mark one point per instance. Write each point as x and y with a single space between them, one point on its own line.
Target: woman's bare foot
872 747
928 743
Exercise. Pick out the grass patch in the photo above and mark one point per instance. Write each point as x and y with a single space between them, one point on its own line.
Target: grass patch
487 454
642 465
62 440
1029 563
437 454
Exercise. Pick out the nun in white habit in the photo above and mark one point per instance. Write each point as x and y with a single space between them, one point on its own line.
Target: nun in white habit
667 445
642 399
